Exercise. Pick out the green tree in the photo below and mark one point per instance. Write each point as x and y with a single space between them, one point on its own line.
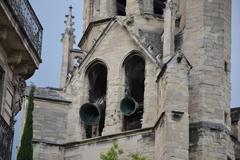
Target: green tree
112 154
137 156
26 149
115 152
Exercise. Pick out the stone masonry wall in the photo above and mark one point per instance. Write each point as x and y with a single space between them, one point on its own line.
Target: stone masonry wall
49 121
123 45
172 132
207 46
142 142
47 152
236 149
210 141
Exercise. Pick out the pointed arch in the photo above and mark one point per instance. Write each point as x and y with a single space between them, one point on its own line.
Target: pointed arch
134 69
96 74
121 7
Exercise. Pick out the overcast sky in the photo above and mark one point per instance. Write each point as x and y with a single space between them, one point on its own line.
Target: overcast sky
52 13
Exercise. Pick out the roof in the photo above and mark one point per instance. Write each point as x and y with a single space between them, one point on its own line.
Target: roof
235 114
149 41
145 40
48 93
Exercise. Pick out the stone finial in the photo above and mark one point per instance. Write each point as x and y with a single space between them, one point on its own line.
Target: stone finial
169 29
69 22
69 25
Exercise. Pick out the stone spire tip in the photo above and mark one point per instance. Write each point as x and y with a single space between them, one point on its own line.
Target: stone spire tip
70 17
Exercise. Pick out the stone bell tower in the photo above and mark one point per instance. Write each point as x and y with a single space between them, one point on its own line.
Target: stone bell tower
67 42
153 76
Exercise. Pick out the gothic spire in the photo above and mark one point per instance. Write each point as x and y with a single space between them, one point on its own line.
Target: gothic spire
69 22
68 40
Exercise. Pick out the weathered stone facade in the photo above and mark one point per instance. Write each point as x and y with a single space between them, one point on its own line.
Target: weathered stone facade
172 58
20 56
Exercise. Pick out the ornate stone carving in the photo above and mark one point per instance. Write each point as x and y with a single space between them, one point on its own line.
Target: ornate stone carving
19 86
22 69
15 58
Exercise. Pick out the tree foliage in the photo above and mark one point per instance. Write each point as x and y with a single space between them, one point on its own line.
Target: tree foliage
137 156
115 152
26 149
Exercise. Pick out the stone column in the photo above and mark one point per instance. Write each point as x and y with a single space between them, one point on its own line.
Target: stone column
172 132
207 44
86 14
169 29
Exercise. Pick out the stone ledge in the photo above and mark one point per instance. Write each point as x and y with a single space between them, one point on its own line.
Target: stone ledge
210 126
53 100
148 130
99 139
48 94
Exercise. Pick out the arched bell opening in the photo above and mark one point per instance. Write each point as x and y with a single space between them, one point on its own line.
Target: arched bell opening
93 113
121 7
132 104
159 6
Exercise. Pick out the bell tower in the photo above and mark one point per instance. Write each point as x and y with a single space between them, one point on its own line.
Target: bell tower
95 10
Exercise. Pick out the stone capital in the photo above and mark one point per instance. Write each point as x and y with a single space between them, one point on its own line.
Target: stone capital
21 69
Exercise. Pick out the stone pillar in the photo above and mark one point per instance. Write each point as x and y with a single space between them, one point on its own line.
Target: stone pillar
172 132
132 7
169 29
148 6
207 45
86 14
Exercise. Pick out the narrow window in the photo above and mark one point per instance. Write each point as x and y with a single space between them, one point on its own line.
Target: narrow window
121 7
158 6
134 90
93 113
226 67
225 117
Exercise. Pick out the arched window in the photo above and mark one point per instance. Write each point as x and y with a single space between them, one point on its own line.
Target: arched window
159 6
134 67
121 7
93 113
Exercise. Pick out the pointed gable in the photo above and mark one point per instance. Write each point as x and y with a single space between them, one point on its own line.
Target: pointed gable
91 40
